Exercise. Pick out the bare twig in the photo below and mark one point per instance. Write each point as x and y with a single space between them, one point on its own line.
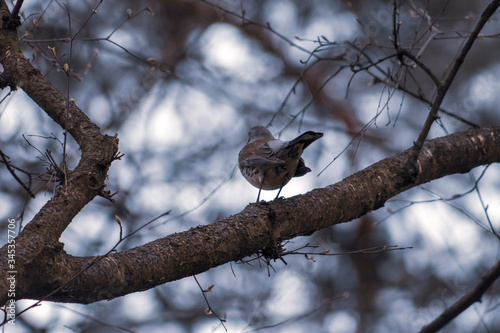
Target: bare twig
210 310
392 82
326 302
371 250
13 173
443 88
17 8
267 26
420 64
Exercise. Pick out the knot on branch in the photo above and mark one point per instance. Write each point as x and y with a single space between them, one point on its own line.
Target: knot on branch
274 250
5 82
11 22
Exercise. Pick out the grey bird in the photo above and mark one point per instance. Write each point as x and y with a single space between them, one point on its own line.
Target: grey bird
268 163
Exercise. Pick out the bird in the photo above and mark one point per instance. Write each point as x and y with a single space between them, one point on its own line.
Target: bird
268 163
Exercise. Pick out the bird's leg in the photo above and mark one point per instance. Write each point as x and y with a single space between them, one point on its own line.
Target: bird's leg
260 188
279 191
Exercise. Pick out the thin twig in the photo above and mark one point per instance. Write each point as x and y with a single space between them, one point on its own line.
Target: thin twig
246 21
443 88
13 173
326 302
420 64
210 309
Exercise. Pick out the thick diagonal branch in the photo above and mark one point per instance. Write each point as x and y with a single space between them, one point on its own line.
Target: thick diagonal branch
257 226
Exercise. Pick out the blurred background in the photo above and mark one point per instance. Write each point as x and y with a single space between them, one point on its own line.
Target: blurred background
181 82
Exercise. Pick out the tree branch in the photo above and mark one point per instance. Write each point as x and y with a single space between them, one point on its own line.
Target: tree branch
467 300
443 88
257 227
41 235
13 173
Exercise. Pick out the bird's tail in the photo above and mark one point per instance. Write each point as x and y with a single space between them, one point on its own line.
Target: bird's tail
301 169
306 139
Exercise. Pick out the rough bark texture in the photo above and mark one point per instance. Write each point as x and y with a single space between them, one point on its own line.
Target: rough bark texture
38 241
258 226
42 265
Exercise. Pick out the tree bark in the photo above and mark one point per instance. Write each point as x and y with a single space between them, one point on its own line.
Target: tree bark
43 266
257 227
39 239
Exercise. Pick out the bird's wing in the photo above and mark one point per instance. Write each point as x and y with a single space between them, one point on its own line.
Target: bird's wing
258 153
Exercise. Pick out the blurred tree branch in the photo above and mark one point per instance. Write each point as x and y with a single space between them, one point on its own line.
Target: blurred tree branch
465 301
